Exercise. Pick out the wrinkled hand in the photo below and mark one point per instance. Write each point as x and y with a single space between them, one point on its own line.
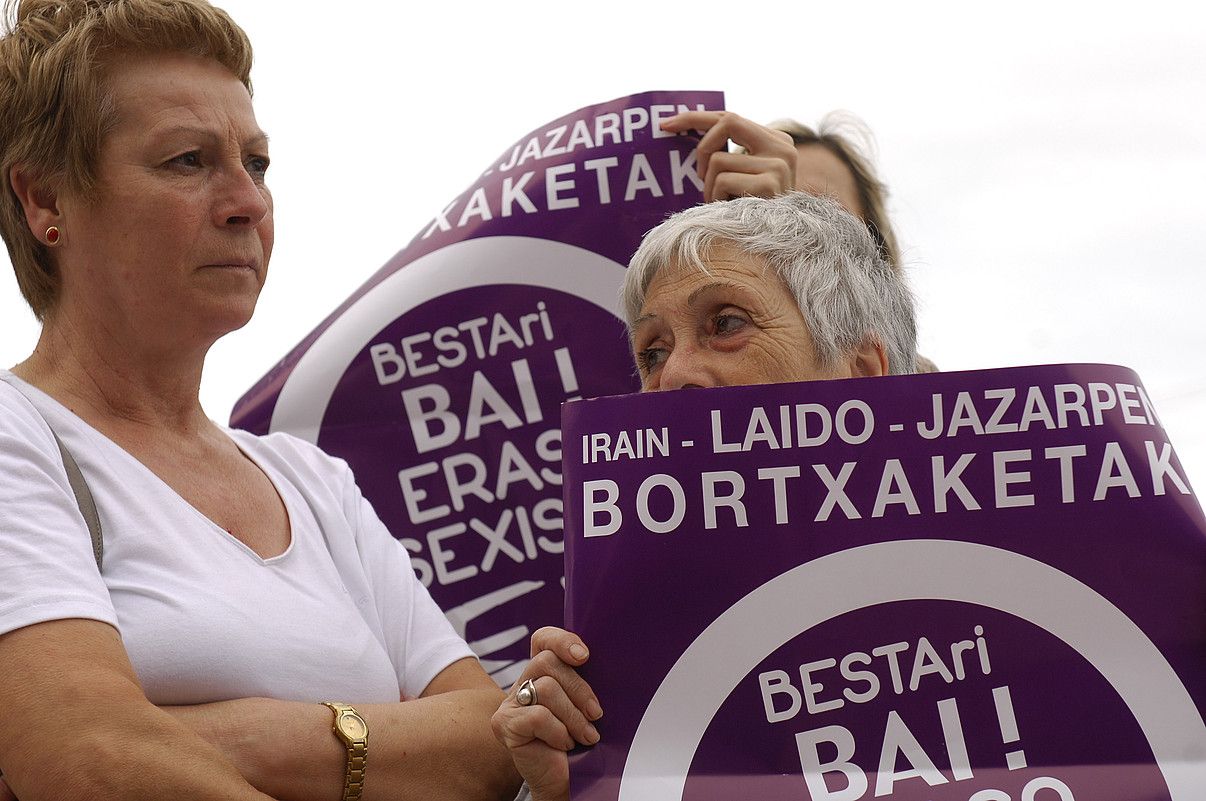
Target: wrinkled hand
766 169
538 736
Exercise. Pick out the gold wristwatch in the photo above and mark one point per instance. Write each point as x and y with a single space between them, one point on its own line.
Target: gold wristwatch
351 729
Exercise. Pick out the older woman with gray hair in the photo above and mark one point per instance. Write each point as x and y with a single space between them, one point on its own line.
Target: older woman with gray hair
759 291
746 291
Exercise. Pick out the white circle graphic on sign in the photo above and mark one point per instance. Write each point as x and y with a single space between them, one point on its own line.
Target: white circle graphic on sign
710 669
472 263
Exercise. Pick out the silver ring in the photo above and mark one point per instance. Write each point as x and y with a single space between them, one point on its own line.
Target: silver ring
526 694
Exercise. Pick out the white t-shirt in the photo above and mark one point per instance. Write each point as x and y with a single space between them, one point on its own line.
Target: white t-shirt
340 614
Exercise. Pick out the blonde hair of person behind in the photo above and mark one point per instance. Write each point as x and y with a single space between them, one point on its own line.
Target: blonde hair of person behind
55 109
847 137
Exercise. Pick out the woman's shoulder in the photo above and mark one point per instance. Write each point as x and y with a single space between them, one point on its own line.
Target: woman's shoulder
283 444
11 397
20 417
293 456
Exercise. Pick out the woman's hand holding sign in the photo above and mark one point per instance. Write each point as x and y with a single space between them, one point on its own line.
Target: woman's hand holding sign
548 712
766 168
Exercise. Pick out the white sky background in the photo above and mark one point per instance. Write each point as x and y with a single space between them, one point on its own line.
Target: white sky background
1047 162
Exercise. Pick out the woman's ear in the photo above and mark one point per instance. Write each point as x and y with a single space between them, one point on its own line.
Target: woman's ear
868 359
39 199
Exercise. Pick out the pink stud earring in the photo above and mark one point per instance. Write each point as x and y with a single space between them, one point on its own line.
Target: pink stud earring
52 235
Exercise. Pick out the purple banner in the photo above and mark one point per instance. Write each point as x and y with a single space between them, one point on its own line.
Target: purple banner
978 586
440 380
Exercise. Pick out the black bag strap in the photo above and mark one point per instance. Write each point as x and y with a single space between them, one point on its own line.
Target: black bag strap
83 498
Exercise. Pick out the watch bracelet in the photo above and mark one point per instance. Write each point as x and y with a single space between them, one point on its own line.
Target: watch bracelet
353 783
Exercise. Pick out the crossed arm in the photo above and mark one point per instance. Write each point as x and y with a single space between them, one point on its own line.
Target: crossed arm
75 724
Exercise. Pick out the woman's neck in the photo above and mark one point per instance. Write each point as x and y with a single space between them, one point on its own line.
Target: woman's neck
105 380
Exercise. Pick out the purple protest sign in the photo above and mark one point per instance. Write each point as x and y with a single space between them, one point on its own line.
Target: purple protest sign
978 586
440 379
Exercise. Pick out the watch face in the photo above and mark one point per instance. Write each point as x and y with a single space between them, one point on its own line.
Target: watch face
352 726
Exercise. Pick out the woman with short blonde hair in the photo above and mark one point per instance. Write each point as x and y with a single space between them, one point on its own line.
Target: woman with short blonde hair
227 618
